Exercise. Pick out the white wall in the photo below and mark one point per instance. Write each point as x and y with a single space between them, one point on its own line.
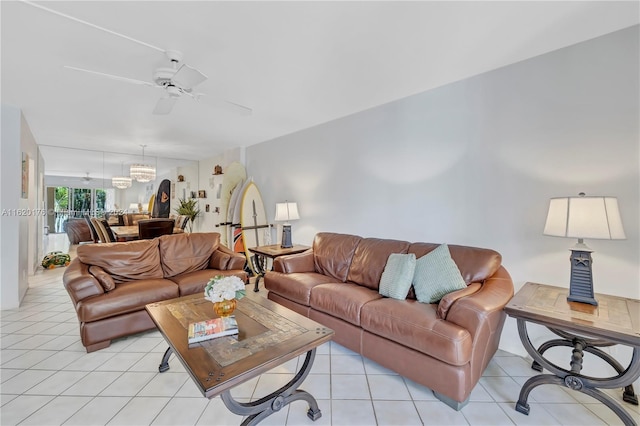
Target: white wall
20 230
475 163
208 182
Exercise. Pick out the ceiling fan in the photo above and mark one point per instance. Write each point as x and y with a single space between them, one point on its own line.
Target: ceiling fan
175 81
85 179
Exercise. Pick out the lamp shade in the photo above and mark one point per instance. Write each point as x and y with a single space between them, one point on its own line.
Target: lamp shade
584 217
134 206
286 211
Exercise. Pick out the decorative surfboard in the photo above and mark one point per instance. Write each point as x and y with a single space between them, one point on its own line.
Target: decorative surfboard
235 195
151 203
162 202
253 219
235 228
234 176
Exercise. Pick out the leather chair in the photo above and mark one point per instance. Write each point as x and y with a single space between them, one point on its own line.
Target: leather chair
152 228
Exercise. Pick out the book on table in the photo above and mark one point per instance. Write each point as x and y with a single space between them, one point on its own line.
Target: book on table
212 328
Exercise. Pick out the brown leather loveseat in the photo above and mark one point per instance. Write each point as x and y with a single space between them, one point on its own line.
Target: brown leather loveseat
111 283
445 346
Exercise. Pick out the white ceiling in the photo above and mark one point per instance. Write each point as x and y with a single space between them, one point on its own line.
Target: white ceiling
296 64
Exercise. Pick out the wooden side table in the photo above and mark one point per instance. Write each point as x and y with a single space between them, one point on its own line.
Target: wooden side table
615 321
262 253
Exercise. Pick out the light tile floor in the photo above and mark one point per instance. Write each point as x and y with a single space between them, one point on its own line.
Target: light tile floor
47 378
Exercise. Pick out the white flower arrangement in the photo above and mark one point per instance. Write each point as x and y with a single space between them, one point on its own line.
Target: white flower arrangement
221 288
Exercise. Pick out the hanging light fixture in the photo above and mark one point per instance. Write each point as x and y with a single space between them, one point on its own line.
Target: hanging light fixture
142 172
122 181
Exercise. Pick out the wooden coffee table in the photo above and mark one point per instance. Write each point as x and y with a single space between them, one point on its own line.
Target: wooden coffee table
269 335
584 328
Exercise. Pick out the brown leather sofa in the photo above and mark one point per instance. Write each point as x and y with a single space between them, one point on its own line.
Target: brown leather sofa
111 283
444 346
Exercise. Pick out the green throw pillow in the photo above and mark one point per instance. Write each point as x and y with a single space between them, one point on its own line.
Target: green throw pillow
436 275
397 275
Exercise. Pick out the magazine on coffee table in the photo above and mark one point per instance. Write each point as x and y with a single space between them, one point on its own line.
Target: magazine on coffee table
212 328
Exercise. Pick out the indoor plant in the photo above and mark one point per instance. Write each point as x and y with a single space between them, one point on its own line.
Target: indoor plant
189 208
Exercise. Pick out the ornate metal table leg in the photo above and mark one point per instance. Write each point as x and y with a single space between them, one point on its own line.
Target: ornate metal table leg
259 266
572 378
628 394
262 408
164 365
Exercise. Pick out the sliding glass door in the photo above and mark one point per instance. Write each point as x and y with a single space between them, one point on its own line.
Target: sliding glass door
69 203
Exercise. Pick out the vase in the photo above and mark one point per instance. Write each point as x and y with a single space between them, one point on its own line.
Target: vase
224 308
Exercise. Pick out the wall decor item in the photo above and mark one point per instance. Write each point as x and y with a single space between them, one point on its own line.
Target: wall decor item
180 178
162 205
202 193
206 208
25 175
173 190
217 170
193 194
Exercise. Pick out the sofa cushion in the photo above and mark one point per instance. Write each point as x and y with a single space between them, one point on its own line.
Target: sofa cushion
370 258
103 277
126 297
333 253
416 326
436 275
397 275
194 282
187 252
342 300
295 286
219 260
475 264
134 260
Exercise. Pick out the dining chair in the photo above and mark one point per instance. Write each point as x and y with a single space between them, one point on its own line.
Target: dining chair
152 228
99 230
108 232
94 234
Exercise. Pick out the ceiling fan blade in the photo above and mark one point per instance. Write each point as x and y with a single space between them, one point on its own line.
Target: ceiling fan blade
242 110
113 77
164 105
187 77
218 103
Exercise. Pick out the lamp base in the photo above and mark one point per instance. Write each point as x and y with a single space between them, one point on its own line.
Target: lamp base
286 236
581 284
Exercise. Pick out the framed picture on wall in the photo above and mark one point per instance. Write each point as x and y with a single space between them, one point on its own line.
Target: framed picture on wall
202 193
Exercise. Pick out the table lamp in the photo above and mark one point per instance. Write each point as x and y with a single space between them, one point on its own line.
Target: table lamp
284 213
583 217
135 207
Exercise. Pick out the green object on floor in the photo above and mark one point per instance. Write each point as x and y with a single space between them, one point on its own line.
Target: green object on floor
55 258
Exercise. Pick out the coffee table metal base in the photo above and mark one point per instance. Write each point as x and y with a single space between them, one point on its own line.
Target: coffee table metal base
262 408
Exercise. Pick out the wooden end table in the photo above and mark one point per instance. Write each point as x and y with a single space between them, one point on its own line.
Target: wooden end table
269 335
262 253
615 321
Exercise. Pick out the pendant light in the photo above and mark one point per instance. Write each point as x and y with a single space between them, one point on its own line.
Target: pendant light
142 172
122 181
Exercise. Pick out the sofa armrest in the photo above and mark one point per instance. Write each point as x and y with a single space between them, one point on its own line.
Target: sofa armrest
486 305
79 283
236 260
300 262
